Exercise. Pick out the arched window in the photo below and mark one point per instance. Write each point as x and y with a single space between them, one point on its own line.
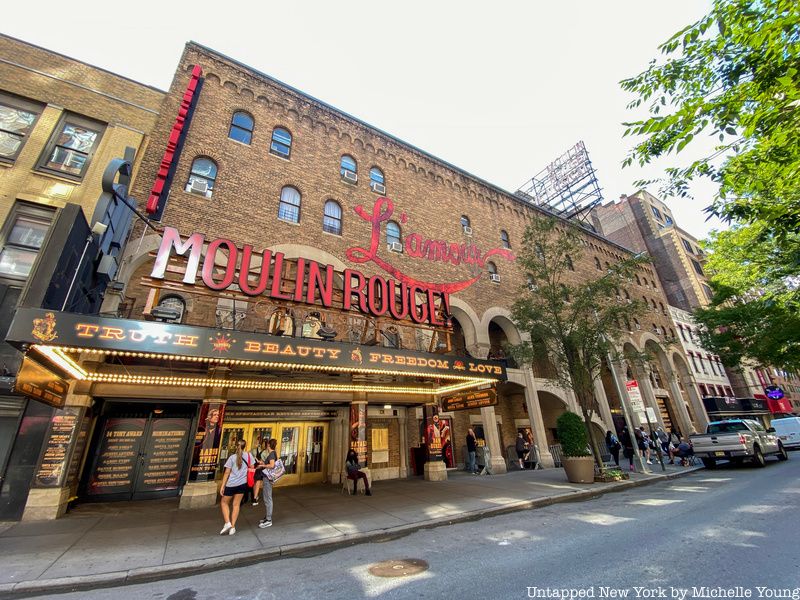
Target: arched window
281 142
638 281
637 324
571 267
504 239
348 168
393 234
661 305
332 218
627 295
653 303
465 224
171 309
653 283
289 206
564 293
492 269
539 251
241 127
376 180
202 177
597 264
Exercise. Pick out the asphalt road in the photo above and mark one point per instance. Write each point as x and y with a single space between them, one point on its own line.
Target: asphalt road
724 528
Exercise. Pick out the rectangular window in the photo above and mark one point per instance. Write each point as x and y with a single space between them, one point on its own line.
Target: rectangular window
17 119
657 213
668 219
22 238
72 146
687 245
697 267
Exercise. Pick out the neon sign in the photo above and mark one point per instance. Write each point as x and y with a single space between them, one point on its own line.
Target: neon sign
419 247
225 265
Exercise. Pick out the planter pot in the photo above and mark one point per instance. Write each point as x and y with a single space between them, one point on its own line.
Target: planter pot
579 469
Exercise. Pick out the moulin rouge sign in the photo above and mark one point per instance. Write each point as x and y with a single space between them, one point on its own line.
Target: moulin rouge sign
259 274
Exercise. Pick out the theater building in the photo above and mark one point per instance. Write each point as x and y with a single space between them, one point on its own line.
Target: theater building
321 282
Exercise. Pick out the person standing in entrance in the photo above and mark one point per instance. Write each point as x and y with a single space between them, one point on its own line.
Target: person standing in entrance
268 463
234 486
522 449
613 445
627 446
472 448
355 473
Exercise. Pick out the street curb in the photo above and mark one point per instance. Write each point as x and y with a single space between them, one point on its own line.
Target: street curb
62 585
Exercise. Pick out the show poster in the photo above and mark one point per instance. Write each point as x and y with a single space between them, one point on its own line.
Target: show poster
115 466
53 465
358 431
206 441
163 461
435 429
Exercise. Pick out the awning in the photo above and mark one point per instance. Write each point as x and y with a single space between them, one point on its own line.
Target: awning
257 361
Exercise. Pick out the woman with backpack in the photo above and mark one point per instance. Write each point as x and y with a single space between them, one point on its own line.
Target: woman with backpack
613 445
234 486
267 481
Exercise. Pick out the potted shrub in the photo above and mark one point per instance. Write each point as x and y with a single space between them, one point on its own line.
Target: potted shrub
577 460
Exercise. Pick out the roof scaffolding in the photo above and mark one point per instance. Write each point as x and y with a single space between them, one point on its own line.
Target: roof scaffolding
567 186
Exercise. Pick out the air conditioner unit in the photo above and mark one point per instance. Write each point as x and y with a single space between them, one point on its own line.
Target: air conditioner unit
378 188
467 230
350 176
198 186
494 277
395 247
532 287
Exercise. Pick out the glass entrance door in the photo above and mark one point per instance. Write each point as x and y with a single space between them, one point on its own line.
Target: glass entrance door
301 447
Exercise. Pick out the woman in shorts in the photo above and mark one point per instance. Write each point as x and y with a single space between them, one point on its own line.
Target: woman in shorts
234 486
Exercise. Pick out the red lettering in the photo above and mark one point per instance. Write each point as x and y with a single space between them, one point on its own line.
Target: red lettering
316 284
434 317
172 239
244 272
210 262
377 291
277 278
300 276
404 303
350 291
419 312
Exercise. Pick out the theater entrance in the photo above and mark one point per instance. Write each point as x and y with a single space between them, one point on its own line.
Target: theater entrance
301 447
139 452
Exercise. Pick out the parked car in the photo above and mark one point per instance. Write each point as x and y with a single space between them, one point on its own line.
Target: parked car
737 440
788 430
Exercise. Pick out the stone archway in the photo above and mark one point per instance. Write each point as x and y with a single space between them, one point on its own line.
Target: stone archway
669 400
688 387
469 325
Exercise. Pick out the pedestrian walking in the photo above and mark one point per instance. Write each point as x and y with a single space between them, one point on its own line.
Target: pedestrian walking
627 442
522 449
643 441
355 473
663 440
266 482
234 486
260 455
613 445
472 449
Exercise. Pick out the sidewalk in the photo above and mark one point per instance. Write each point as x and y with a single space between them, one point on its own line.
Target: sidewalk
100 545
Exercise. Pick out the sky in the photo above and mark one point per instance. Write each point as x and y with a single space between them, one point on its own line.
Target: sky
498 89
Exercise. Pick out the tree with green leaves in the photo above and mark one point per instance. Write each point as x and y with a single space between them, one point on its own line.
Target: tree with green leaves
575 322
734 77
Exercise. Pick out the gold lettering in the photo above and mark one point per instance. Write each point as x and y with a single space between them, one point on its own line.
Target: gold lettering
334 354
85 330
303 350
271 348
112 333
318 352
251 346
186 340
288 351
374 357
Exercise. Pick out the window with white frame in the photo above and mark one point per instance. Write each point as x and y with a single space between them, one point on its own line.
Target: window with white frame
71 147
348 168
22 238
202 176
281 142
332 218
289 205
17 120
241 128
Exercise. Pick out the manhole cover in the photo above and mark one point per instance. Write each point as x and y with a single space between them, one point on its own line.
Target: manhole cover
400 567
